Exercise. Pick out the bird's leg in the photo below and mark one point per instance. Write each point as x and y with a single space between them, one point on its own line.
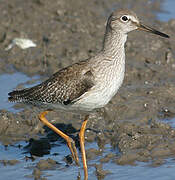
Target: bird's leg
70 141
81 135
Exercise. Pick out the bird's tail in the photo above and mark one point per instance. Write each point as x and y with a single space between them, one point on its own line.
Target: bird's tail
19 95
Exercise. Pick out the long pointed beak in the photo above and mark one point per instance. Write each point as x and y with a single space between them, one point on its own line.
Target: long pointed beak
151 30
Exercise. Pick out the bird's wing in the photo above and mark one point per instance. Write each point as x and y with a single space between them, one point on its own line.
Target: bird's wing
64 87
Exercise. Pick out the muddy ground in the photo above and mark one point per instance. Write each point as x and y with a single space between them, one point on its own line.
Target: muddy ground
66 32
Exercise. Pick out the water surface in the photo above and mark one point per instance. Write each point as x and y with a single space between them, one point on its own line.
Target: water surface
168 10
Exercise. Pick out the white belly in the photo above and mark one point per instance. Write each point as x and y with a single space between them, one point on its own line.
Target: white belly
102 93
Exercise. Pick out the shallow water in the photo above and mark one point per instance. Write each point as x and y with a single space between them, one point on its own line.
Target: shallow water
142 171
8 83
168 11
169 121
24 168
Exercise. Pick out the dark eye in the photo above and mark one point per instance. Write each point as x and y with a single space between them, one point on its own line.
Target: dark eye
124 18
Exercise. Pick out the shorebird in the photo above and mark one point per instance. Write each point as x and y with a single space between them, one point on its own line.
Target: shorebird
88 84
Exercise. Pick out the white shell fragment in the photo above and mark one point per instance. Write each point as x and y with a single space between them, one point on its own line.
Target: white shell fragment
22 43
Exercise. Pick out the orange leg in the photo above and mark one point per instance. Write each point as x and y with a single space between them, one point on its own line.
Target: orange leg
81 135
70 141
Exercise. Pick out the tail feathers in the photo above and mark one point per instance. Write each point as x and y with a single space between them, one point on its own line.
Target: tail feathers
17 96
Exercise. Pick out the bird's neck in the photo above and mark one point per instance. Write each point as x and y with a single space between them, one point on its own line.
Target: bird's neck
113 45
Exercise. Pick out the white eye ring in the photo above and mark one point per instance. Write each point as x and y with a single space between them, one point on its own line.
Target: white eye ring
124 18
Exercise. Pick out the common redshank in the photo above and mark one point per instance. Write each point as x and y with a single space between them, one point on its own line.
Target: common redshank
88 84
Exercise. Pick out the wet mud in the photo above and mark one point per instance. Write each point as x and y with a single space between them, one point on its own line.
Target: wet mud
133 123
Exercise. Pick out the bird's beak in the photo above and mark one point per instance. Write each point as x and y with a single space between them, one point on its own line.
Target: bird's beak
151 30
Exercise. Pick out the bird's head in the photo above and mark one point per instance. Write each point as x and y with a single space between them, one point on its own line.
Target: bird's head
125 21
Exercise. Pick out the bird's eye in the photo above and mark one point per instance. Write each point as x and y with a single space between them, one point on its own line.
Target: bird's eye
124 18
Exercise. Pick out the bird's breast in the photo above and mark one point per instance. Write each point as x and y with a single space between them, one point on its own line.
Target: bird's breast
107 86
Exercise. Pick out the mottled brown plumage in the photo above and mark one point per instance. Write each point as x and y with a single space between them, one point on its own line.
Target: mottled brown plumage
63 87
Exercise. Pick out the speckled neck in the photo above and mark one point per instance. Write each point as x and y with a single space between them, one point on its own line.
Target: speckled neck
113 44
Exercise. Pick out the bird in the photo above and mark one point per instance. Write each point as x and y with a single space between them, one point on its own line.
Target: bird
88 84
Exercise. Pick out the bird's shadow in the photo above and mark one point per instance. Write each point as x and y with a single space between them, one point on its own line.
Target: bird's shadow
42 146
67 129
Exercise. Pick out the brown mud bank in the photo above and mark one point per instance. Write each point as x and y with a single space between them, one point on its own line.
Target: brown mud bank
66 32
